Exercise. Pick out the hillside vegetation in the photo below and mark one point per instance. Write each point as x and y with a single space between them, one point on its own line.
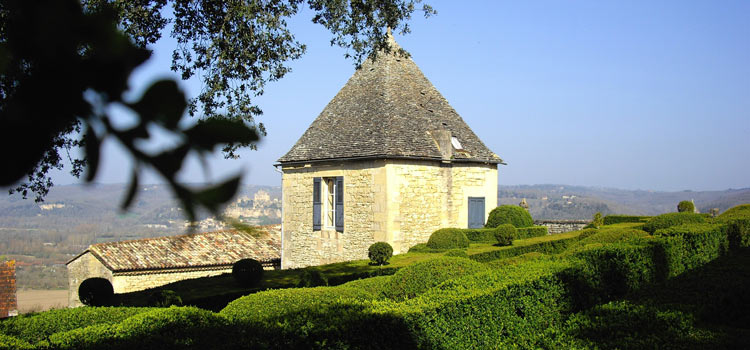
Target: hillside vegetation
682 287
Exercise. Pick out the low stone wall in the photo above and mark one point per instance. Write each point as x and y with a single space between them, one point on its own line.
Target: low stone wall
562 226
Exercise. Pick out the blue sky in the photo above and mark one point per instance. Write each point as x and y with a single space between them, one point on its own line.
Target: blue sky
631 94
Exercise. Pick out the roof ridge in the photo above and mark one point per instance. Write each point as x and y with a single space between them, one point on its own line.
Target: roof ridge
174 237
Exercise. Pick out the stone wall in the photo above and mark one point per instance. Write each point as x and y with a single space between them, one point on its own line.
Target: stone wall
397 201
84 267
562 226
8 303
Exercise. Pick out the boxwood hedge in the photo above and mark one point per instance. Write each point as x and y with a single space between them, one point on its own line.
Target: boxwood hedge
509 214
448 238
414 279
672 219
530 232
617 219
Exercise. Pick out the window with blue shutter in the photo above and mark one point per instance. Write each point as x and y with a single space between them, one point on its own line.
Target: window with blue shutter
476 212
316 204
339 211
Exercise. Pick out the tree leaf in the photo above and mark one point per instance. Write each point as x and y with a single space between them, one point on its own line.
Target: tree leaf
211 132
163 103
213 197
132 190
91 147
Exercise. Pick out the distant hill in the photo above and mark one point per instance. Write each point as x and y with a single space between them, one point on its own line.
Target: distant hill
579 202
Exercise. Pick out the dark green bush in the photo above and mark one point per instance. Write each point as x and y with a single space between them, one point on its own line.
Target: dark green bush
458 253
672 219
738 212
617 219
379 253
173 328
311 277
546 247
164 298
33 328
484 235
247 272
738 233
448 238
377 286
686 247
504 234
530 232
509 214
96 291
419 277
610 235
686 207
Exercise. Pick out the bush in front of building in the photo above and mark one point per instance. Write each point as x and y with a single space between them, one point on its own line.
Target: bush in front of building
685 207
379 253
96 291
509 214
247 272
164 298
311 277
504 234
448 238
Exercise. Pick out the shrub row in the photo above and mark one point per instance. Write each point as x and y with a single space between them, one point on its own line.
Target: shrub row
531 232
686 247
487 235
617 219
672 219
414 279
738 233
546 247
738 212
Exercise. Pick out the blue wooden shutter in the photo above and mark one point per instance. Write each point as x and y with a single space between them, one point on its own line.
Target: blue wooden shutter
476 212
316 204
340 203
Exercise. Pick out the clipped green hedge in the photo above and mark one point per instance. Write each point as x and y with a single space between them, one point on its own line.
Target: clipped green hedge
504 234
672 219
376 286
685 207
448 238
686 247
13 343
546 247
459 253
617 219
509 214
531 232
738 233
480 235
172 328
419 277
741 211
33 328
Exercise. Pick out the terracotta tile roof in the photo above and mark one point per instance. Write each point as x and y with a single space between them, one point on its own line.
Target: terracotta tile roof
193 250
387 109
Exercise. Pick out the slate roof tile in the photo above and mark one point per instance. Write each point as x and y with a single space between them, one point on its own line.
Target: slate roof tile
386 110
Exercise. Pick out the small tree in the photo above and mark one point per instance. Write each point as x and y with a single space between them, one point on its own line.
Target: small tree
509 214
598 220
379 253
505 234
685 207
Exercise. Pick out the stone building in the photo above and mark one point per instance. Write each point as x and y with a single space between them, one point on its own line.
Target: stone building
388 159
147 263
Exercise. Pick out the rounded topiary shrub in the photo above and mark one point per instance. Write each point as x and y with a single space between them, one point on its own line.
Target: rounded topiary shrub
672 219
458 253
509 214
311 277
504 234
686 207
417 278
448 238
96 292
247 272
164 298
379 253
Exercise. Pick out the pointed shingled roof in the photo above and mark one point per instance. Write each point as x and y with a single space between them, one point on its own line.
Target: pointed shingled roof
387 109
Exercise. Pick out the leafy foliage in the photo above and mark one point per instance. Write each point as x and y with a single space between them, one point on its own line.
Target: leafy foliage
165 298
617 219
738 233
247 272
504 234
77 62
672 219
685 207
448 238
417 278
380 252
509 214
311 277
530 232
458 253
598 221
738 212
